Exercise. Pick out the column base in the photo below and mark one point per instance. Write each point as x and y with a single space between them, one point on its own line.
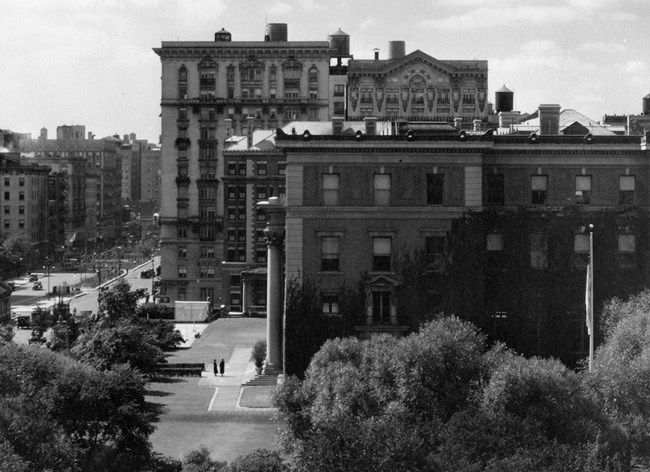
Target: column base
272 369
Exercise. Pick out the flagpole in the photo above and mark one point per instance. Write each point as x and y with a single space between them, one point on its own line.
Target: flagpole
591 297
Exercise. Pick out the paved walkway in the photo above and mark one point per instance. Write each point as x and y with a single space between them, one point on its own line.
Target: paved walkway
205 411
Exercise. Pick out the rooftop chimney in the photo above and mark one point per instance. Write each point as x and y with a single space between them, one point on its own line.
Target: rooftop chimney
376 53
549 119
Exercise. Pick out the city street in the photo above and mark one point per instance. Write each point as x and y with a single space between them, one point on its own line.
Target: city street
25 298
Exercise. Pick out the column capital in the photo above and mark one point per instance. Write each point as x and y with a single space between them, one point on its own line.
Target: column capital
273 238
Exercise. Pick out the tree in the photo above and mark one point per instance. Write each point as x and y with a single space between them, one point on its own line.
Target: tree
620 379
125 342
199 461
59 414
6 333
260 460
379 404
118 302
443 399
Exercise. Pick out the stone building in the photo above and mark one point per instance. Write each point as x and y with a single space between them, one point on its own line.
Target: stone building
358 202
23 188
417 87
92 173
209 91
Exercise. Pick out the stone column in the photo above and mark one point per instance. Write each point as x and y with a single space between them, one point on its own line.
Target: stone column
274 235
244 294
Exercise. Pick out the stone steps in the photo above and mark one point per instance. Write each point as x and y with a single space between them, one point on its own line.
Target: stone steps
262 380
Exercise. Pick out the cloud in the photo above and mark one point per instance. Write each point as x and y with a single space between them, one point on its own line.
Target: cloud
278 11
502 14
602 47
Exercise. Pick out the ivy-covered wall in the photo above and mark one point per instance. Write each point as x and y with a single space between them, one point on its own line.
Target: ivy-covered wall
541 311
534 310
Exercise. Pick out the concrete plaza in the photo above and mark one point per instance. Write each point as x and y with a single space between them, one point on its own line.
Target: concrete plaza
208 411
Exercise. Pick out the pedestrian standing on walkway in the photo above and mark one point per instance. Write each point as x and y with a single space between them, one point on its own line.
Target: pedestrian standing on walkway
214 367
222 366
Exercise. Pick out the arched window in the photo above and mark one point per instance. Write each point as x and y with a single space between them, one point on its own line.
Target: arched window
182 82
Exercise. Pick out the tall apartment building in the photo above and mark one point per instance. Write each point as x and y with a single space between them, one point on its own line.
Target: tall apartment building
150 177
92 173
209 90
23 189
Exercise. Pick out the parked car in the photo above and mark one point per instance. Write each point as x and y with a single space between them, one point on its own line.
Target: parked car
33 278
38 286
24 322
147 274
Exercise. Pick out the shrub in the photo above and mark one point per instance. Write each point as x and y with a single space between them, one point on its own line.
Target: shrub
259 353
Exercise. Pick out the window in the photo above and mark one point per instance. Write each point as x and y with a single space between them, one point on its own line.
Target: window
21 195
232 192
261 193
434 247
7 195
313 94
443 97
539 187
7 224
260 256
339 90
330 303
232 168
330 253
182 272
381 307
261 168
182 232
381 254
182 293
207 272
469 97
494 247
538 251
182 253
627 185
207 252
21 182
339 109
583 188
495 189
366 96
235 280
21 210
382 189
626 243
282 168
7 182
626 249
435 189
581 243
21 224
206 293
330 189
7 210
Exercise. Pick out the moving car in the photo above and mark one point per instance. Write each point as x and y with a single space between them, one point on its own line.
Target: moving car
33 278
38 286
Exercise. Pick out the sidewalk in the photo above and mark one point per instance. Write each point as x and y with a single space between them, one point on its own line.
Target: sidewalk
205 411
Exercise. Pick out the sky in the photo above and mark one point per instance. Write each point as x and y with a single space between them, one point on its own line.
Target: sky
90 62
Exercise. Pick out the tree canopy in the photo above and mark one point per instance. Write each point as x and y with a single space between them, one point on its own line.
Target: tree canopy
59 414
442 399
